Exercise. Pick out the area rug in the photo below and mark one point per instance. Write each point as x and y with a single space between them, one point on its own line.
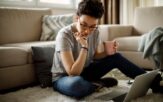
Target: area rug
37 94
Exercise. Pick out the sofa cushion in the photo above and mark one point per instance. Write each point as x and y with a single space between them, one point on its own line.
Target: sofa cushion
17 76
21 24
53 23
147 18
129 43
43 58
10 56
136 58
27 46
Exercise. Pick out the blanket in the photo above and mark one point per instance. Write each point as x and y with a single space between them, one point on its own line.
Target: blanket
151 43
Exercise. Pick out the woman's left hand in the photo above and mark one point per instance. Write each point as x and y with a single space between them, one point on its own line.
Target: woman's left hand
111 47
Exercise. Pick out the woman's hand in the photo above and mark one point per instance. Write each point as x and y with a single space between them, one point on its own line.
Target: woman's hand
111 47
82 38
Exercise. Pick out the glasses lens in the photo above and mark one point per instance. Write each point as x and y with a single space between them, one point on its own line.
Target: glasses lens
93 28
83 26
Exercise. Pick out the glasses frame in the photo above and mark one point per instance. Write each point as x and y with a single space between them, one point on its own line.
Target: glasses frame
84 26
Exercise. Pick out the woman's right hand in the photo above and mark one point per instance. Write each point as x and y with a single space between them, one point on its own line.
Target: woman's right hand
82 38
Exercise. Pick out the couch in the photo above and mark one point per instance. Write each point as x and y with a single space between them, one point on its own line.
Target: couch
128 36
20 28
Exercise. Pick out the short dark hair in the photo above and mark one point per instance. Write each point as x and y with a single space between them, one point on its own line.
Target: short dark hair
93 8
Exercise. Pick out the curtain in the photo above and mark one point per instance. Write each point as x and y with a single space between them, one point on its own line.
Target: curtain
111 15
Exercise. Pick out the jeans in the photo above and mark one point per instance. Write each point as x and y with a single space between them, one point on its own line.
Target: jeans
80 86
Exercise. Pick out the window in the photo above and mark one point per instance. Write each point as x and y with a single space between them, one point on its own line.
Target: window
41 3
56 3
17 2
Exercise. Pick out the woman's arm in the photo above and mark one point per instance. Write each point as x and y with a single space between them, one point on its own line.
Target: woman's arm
73 67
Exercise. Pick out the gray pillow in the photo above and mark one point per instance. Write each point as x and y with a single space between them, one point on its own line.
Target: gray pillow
43 58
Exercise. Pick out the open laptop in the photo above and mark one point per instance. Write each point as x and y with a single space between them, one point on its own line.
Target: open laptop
139 88
141 85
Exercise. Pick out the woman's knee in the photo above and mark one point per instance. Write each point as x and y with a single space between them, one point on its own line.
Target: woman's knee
74 86
78 84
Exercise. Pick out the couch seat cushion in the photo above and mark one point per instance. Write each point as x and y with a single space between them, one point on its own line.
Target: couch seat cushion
10 56
27 46
128 43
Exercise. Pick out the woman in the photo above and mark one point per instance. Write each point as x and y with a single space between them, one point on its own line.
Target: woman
77 45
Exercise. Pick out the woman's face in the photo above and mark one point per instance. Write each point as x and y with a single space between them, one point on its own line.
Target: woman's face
86 24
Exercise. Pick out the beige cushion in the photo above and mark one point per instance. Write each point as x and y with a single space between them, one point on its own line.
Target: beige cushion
137 59
110 32
21 25
148 18
27 47
10 56
129 43
15 76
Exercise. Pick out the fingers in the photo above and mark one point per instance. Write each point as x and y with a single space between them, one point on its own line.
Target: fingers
78 36
81 39
116 44
82 35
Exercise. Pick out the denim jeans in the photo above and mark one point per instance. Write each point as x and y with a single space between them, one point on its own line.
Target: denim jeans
80 86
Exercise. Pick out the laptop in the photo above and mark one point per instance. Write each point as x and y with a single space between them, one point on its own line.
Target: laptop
139 88
141 85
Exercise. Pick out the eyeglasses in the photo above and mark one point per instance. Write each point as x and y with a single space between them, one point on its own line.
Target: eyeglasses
85 26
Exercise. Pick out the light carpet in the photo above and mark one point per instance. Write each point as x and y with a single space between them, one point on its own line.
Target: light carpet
37 94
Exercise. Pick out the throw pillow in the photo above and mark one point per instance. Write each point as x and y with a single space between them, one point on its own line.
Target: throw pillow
43 58
52 24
